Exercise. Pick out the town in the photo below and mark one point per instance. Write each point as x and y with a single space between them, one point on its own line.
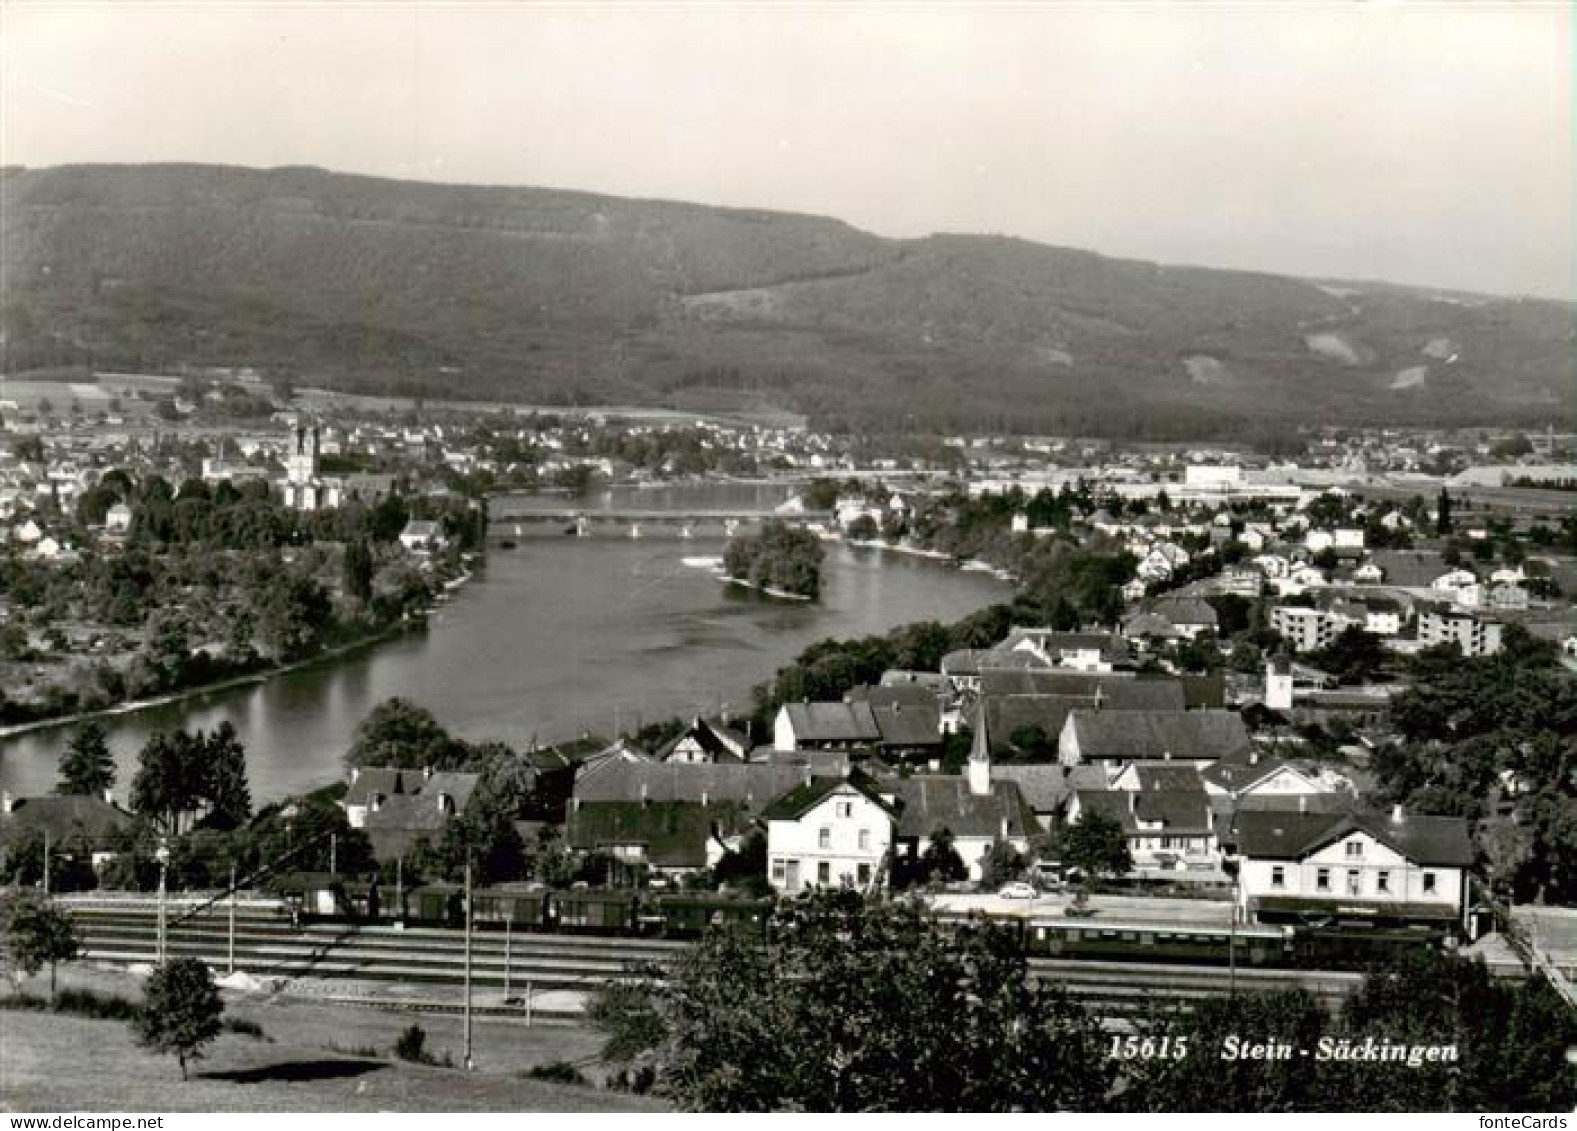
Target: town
1250 710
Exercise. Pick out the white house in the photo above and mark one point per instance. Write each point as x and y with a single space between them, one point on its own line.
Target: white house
117 520
828 832
1401 869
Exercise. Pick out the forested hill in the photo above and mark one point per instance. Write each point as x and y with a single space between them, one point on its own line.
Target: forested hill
560 297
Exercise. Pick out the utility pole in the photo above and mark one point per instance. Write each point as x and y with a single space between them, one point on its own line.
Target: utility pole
333 854
508 923
399 888
468 1063
46 863
164 861
230 939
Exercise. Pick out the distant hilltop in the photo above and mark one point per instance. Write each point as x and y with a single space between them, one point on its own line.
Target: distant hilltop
556 297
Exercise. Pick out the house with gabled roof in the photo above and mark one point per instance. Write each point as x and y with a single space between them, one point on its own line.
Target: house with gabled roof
829 832
1118 737
89 822
1404 869
705 740
417 806
824 726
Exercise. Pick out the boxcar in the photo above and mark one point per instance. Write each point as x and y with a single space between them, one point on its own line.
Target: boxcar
595 911
688 915
436 905
522 909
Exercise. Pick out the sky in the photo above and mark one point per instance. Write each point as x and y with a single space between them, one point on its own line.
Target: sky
1423 143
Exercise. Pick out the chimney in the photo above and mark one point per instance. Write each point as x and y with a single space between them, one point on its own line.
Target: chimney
1303 804
7 802
645 794
1253 757
427 773
109 797
355 772
1004 826
1133 801
704 798
1397 815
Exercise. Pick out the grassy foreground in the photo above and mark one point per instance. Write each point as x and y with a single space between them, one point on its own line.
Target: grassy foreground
318 1057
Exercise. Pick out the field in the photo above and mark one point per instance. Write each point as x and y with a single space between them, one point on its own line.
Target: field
317 1058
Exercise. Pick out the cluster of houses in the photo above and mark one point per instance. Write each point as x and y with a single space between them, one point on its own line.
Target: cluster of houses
854 792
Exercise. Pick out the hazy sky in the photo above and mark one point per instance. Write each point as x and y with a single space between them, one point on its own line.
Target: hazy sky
1414 142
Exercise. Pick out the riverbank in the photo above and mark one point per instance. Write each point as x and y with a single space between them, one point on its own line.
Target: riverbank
247 679
767 590
968 565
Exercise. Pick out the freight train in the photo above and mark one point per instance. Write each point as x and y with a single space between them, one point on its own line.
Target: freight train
616 911
317 897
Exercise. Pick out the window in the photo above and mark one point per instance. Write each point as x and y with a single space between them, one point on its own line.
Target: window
824 838
1322 880
865 840
1382 882
864 874
777 871
824 873
1278 877
843 808
1429 883
1354 848
1354 881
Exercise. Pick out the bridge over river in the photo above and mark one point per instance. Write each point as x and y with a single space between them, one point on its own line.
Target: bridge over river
509 523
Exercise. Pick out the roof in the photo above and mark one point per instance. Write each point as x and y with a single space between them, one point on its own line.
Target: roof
1239 773
1409 569
715 739
932 802
1158 734
1118 690
965 661
756 784
421 808
371 781
63 817
806 796
1186 610
1045 787
909 724
1168 778
832 722
1275 835
673 833
899 677
907 694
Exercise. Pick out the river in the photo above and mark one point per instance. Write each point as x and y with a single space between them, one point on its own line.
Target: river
550 638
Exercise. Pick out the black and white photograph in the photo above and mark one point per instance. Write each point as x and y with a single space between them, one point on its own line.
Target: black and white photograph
732 557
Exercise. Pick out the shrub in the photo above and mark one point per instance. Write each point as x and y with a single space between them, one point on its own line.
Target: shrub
246 1027
412 1045
559 1072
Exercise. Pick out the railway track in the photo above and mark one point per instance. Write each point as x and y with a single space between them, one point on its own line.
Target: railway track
268 946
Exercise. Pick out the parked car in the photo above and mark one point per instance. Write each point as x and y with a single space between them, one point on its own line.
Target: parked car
1018 889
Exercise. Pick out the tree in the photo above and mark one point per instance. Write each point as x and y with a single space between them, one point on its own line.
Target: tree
1443 514
181 1010
41 934
1096 845
851 1006
86 766
940 860
398 733
358 571
1355 656
168 785
226 791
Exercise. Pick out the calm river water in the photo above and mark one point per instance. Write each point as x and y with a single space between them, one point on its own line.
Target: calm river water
552 637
